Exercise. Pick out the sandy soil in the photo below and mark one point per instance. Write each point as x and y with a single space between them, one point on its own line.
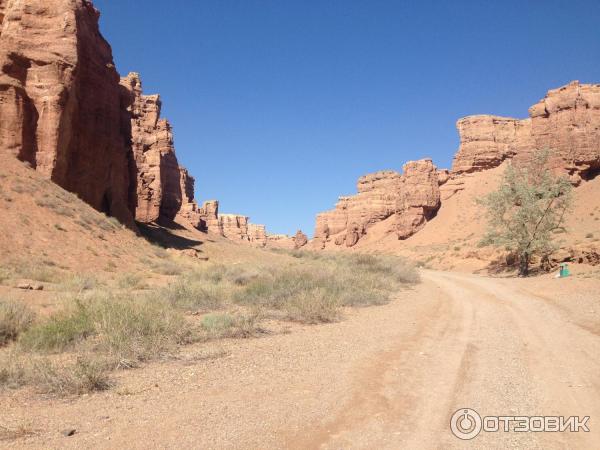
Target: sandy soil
385 377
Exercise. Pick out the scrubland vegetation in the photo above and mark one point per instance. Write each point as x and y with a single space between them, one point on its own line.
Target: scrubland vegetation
105 325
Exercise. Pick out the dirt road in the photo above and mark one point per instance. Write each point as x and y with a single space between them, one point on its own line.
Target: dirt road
386 377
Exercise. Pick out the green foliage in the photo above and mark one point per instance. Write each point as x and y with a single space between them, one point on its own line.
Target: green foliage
528 208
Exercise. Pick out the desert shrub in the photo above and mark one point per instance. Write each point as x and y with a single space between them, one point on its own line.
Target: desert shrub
4 275
221 325
15 318
13 373
315 306
126 327
589 235
80 282
60 331
64 211
37 270
167 267
47 202
313 291
138 329
131 281
84 376
190 295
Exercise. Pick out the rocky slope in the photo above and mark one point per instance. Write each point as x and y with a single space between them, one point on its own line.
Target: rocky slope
391 206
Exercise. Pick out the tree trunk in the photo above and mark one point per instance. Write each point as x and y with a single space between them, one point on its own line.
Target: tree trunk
524 264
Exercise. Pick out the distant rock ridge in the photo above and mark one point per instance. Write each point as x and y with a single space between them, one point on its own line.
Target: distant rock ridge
566 122
413 197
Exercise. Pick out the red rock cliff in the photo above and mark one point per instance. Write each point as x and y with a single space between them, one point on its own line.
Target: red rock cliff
158 181
60 101
566 121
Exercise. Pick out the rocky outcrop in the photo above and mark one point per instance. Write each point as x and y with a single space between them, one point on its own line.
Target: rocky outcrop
300 239
189 212
419 197
566 121
375 201
158 179
209 217
486 141
60 101
257 235
234 226
413 197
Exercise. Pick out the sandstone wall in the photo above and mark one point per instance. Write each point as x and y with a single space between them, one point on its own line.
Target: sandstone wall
60 101
419 197
566 121
234 226
257 234
375 201
413 197
157 172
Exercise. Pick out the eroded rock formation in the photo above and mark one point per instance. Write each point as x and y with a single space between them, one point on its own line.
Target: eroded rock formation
419 197
375 201
257 234
209 216
158 181
413 197
300 239
60 101
234 226
566 122
189 211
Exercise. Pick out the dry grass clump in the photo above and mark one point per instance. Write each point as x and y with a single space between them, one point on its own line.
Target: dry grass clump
80 282
313 291
41 270
131 281
126 328
15 318
85 374
218 325
81 377
98 330
207 288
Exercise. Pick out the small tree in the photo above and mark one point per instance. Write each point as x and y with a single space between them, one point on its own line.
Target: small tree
527 209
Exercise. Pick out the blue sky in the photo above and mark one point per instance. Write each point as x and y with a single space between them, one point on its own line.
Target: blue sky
278 106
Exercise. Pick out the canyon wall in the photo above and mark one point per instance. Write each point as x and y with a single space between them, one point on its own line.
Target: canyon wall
412 197
60 101
157 177
566 122
66 111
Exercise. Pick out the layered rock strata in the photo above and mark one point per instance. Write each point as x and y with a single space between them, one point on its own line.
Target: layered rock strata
566 122
60 101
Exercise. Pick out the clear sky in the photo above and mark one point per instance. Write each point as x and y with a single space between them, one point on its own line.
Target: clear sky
278 106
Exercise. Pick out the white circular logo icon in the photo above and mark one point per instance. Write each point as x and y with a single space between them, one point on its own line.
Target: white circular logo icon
465 423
